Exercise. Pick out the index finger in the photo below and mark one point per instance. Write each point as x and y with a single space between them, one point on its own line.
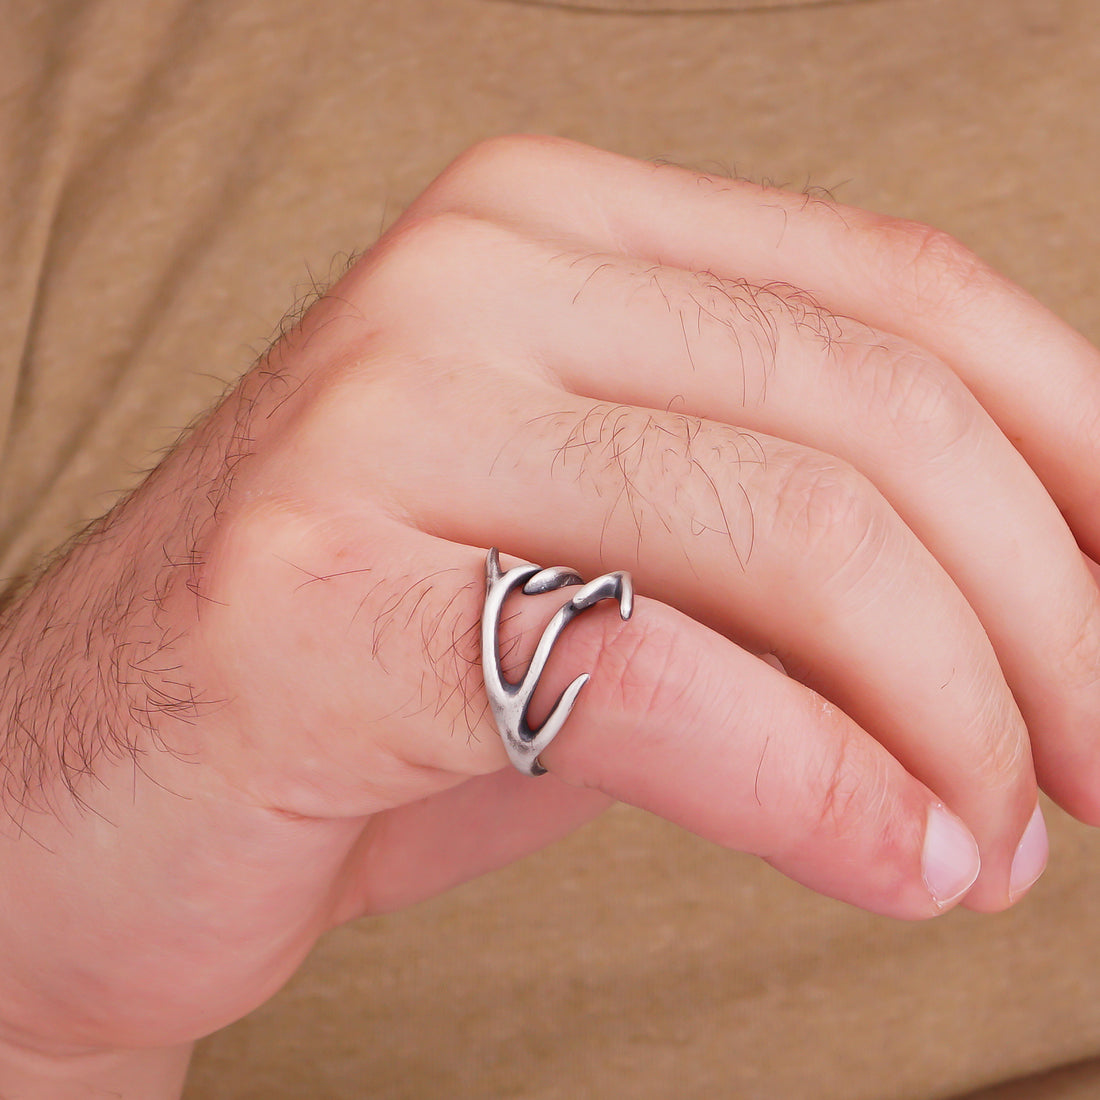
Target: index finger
680 721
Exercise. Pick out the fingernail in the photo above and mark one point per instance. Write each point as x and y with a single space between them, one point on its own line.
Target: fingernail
950 860
1031 856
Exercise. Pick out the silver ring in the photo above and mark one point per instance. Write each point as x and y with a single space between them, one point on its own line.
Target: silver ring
509 701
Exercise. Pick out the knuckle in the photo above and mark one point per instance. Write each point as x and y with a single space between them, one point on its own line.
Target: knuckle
433 268
478 172
923 406
425 248
1080 667
643 666
264 528
245 584
850 790
928 268
1086 435
1002 753
654 469
828 513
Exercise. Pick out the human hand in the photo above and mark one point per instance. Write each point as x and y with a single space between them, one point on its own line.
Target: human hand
807 431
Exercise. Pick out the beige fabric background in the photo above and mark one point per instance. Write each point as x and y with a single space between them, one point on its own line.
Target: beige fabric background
174 169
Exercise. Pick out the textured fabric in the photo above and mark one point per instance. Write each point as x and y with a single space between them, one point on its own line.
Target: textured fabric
177 171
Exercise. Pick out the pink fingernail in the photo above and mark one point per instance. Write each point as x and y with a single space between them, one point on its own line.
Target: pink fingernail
1031 856
950 860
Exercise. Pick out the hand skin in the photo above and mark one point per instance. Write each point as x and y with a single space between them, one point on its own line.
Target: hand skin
247 706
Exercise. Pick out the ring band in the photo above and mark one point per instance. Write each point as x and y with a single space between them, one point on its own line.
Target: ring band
509 700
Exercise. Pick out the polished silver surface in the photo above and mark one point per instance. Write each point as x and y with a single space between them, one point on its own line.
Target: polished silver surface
509 701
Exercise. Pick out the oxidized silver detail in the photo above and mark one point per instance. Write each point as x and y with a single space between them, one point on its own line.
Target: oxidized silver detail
509 701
